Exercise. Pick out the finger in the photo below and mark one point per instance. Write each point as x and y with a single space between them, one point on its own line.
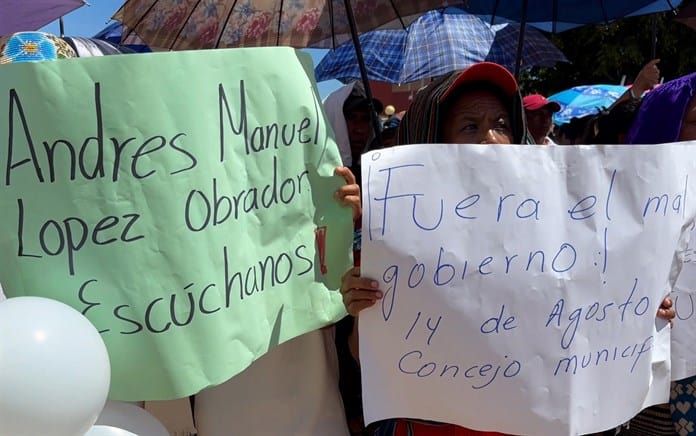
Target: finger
358 283
346 190
667 314
347 175
355 308
666 303
361 294
353 202
353 272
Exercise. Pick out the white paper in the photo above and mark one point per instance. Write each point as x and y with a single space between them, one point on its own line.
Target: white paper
684 330
469 330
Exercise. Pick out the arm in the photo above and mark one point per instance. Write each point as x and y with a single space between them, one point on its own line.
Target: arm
647 78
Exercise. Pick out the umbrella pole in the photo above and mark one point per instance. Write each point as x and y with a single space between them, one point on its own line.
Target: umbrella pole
363 74
520 42
653 53
61 26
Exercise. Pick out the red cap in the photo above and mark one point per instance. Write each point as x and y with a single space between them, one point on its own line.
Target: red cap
535 102
490 72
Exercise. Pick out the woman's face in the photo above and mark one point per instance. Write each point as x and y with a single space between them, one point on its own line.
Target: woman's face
477 117
688 128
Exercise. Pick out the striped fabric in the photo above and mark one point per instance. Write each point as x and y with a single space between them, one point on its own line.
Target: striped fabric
436 44
653 421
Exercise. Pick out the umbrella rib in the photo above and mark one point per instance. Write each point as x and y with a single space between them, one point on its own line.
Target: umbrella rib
604 12
222 31
333 27
398 15
495 11
181 29
280 20
137 23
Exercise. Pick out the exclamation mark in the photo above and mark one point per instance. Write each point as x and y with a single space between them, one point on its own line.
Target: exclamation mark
320 237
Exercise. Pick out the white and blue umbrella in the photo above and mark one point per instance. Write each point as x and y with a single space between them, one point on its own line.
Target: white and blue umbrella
585 100
437 43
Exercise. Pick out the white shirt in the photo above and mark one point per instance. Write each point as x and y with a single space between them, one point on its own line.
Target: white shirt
292 390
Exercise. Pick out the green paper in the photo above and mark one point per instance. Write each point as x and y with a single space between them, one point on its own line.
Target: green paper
129 194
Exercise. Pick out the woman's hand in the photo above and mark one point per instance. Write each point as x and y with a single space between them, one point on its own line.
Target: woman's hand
349 194
358 292
666 311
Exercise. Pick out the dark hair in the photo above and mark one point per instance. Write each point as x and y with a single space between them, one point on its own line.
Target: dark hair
575 129
610 125
474 87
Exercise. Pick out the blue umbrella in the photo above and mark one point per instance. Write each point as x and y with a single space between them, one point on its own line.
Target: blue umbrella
113 34
559 15
435 44
585 100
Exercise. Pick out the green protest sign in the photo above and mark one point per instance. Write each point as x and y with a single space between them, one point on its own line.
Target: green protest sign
182 201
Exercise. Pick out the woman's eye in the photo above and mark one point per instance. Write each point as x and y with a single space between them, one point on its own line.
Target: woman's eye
469 127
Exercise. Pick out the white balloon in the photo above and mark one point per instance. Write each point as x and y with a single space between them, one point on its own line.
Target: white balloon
132 418
105 430
54 369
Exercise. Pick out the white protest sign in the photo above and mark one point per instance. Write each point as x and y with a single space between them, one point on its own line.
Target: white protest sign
684 331
521 283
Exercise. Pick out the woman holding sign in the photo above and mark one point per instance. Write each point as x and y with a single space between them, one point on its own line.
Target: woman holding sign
480 105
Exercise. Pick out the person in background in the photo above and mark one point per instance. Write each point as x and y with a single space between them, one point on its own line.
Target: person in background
347 109
539 113
611 126
668 114
573 132
648 77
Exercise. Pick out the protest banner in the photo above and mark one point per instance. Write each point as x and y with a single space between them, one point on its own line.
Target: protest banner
183 202
521 283
684 331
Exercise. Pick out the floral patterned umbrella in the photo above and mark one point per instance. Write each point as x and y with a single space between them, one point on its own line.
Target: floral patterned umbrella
197 24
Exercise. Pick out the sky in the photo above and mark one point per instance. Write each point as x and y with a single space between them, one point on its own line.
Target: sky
88 20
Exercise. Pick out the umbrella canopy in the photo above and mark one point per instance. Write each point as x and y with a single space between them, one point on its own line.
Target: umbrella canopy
435 44
113 33
559 15
24 15
196 24
585 100
687 15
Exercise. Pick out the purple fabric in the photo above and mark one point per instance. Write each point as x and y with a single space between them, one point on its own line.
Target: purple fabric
28 15
660 116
